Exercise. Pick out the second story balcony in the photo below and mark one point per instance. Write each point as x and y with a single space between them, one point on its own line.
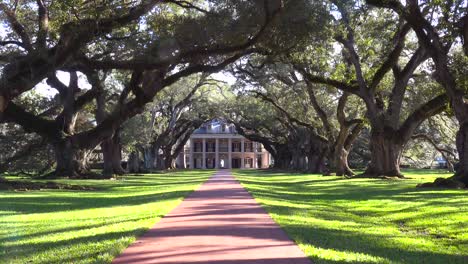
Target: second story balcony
197 149
210 149
223 148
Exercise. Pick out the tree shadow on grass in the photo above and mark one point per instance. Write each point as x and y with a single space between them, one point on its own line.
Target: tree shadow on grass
26 250
48 204
380 246
301 190
308 197
126 219
320 201
134 191
383 246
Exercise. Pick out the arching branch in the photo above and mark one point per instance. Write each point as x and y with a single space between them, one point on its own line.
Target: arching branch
430 108
17 26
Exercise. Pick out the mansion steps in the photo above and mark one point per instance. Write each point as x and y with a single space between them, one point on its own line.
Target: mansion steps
217 145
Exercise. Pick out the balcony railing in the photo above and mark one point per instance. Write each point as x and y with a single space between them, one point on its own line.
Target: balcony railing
223 149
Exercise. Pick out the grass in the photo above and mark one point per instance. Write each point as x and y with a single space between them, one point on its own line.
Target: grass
64 226
335 220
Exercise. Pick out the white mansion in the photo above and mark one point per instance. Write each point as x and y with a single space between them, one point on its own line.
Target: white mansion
217 145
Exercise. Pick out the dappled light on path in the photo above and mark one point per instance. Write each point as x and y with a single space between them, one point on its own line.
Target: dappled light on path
220 223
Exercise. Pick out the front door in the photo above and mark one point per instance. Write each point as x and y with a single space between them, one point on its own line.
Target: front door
210 163
236 163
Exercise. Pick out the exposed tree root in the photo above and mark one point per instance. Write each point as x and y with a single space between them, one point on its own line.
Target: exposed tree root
449 183
95 176
346 174
76 175
380 176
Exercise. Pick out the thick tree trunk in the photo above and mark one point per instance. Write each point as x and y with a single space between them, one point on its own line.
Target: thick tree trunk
68 161
341 163
133 163
169 162
297 162
340 151
117 158
461 173
386 149
111 151
302 164
107 153
315 163
460 179
282 161
338 162
160 163
305 162
149 158
82 160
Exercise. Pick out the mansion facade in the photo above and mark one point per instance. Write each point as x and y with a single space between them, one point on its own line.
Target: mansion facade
217 145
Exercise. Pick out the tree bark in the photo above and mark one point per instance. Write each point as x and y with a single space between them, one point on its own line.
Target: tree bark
429 36
134 162
117 155
386 149
461 173
83 160
69 162
339 154
149 158
341 163
315 162
169 162
112 154
282 160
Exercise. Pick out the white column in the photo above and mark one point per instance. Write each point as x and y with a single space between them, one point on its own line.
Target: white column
192 165
242 154
229 163
217 154
255 160
204 154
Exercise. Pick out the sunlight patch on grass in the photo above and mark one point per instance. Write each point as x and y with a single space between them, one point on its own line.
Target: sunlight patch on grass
366 220
62 226
341 256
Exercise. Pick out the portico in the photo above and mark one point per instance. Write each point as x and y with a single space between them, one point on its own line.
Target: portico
222 151
216 145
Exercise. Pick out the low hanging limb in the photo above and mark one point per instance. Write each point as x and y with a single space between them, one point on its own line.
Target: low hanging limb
444 152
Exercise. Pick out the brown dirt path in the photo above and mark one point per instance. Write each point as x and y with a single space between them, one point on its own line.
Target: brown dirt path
219 223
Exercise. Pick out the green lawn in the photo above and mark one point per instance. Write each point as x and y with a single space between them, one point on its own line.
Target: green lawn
63 226
335 220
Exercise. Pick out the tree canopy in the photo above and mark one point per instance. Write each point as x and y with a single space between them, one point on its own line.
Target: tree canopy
324 85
